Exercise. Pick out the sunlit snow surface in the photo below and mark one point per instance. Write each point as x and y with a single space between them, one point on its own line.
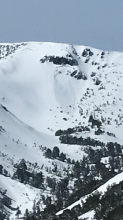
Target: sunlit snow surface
39 96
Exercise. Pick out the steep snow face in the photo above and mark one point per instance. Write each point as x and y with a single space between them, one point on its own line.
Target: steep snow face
42 83
45 87
37 88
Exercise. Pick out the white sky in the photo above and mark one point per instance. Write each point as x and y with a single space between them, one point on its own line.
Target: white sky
94 23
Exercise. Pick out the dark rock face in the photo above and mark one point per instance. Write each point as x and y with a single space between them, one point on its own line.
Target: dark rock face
65 119
2 129
78 75
95 122
69 60
105 65
99 132
97 82
87 52
102 55
81 76
87 60
94 63
73 73
93 74
4 108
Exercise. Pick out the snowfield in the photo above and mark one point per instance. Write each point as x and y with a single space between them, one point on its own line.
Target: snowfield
45 87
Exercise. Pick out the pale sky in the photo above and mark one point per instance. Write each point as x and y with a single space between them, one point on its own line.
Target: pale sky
96 23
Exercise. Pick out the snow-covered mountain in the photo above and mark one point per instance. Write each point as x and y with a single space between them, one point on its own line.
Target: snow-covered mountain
46 89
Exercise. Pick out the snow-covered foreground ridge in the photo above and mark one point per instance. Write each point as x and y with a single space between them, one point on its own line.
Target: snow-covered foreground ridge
102 189
45 87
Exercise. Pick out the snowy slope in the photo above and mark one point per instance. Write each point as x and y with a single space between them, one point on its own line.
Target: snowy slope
45 87
41 90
